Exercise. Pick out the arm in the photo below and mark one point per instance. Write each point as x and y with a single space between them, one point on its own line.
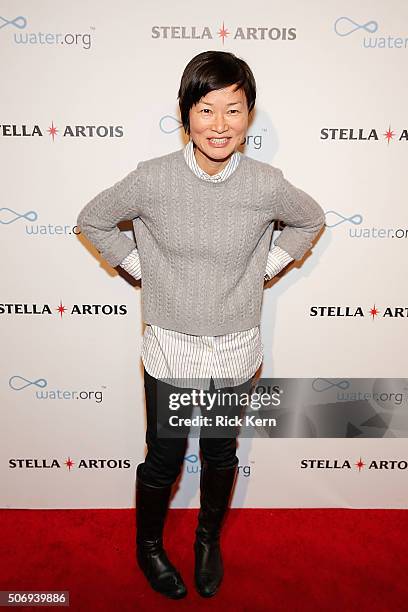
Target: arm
99 218
302 215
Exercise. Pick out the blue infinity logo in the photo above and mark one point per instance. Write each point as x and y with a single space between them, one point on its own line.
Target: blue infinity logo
370 26
191 458
170 121
322 384
355 219
19 22
40 382
31 215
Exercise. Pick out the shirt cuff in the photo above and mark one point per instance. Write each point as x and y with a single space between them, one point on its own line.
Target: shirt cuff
131 264
277 260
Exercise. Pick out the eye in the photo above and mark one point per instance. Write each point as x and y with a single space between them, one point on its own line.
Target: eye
205 109
234 110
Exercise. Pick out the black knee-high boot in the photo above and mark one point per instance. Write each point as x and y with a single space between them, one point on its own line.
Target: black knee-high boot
215 490
151 508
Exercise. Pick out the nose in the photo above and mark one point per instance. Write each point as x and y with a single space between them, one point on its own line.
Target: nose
220 123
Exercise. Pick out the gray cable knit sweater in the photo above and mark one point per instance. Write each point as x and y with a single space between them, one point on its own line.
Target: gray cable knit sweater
203 245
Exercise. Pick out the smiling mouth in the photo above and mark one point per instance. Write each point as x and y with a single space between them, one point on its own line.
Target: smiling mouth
219 140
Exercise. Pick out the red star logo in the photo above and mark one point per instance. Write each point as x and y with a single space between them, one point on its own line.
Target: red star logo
223 32
374 312
52 130
360 464
61 308
69 463
389 134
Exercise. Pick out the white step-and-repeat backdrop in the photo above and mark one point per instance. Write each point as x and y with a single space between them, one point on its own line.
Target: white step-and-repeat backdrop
88 90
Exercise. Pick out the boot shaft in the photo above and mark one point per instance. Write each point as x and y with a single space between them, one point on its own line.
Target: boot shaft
152 504
216 485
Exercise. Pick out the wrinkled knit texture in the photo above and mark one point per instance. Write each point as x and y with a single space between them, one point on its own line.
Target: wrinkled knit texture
183 224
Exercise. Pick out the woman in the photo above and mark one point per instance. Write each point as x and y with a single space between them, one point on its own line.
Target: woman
203 218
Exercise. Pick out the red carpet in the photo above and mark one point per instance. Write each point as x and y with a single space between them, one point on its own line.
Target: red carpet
289 560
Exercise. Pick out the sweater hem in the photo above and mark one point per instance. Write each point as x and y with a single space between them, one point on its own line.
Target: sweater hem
202 330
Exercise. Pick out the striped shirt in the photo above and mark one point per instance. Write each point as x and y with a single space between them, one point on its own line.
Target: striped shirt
189 361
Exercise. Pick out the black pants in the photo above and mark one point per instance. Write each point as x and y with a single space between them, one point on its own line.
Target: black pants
165 455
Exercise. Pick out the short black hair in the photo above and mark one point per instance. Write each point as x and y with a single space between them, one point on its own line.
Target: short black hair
212 70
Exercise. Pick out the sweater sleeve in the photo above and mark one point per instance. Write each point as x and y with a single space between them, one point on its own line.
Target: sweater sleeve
302 215
99 218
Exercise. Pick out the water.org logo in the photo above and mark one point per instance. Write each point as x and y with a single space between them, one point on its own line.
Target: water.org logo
346 464
334 218
363 32
21 130
388 312
18 31
194 32
32 229
193 467
76 309
40 390
87 464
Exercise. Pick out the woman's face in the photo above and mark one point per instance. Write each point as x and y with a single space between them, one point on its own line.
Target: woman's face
218 125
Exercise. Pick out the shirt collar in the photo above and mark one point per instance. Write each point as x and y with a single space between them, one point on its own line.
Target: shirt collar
220 176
